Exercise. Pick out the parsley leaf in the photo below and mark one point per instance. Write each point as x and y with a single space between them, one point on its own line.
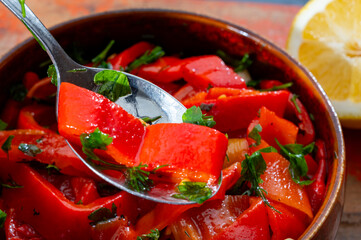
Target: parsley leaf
3 125
22 3
18 92
252 168
7 144
293 99
53 74
101 56
280 87
36 38
96 140
11 184
238 65
153 235
147 57
114 84
150 120
194 191
254 134
2 218
102 214
295 154
138 179
194 115
29 149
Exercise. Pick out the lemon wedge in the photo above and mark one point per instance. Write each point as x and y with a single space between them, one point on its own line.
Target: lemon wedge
326 38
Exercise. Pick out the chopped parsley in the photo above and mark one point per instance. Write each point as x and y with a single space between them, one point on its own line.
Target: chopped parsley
293 99
153 235
150 120
193 191
295 154
94 140
29 149
6 147
2 218
22 3
280 87
36 38
254 134
194 115
11 184
77 70
101 56
138 179
253 83
18 92
146 58
252 168
102 214
238 65
113 84
53 74
3 125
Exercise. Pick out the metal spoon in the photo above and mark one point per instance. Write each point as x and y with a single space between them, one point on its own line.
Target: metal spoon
146 99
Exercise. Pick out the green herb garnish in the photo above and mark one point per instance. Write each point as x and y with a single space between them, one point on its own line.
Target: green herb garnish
254 134
253 83
53 74
101 56
29 149
114 84
18 92
150 120
3 125
102 214
153 235
238 65
36 38
11 184
22 3
193 191
295 154
293 99
194 115
146 58
6 147
2 218
77 70
252 168
138 179
280 87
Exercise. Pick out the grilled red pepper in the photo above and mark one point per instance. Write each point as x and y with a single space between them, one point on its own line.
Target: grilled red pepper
36 117
306 133
235 109
123 59
210 71
274 127
252 224
164 70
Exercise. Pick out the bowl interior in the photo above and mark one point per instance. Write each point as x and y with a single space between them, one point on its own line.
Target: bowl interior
186 34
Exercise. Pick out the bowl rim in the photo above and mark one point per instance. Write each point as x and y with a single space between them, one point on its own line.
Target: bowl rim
335 186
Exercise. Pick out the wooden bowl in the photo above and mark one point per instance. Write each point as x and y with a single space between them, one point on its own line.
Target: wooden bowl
190 34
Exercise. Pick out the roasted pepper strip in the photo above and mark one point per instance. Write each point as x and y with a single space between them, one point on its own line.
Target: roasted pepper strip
29 115
43 206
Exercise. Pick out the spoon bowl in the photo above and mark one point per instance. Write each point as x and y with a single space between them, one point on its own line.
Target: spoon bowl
146 99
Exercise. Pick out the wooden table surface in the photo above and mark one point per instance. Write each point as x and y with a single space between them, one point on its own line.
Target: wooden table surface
270 20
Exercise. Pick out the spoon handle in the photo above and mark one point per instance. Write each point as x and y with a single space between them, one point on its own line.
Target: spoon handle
52 47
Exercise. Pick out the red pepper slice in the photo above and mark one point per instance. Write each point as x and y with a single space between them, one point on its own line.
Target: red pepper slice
185 149
11 112
317 190
252 224
205 71
185 92
31 116
123 59
164 70
306 133
287 223
278 183
54 151
43 206
234 111
268 84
